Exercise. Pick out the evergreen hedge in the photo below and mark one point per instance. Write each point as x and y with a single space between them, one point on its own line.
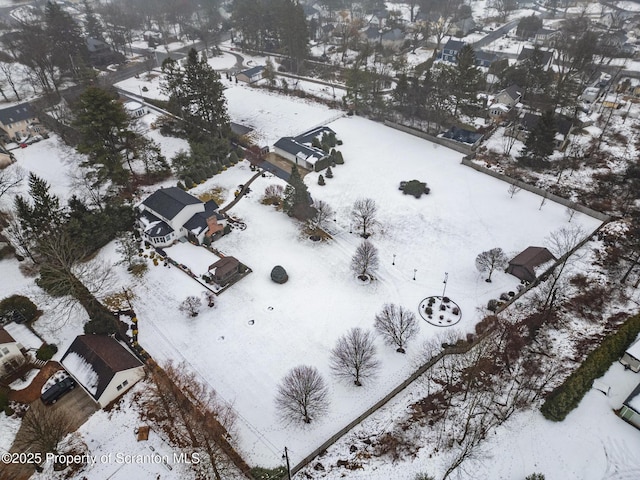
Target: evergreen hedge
567 396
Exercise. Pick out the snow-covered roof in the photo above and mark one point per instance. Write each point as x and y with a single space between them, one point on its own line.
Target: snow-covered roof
95 359
23 335
633 400
168 202
82 371
132 106
634 350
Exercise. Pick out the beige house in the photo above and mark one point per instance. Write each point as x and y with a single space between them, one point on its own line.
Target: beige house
11 357
103 366
19 122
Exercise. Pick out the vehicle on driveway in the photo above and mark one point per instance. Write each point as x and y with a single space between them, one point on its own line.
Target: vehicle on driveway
57 390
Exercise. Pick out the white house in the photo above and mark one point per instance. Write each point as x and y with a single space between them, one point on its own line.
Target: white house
630 410
135 109
631 358
251 75
11 357
300 149
103 366
170 214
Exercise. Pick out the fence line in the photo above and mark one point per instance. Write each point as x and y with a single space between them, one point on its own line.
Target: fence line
445 142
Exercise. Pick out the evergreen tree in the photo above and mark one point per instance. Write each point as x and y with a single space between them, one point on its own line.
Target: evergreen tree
66 41
196 95
93 26
104 128
466 80
329 173
321 180
540 143
297 202
43 214
269 72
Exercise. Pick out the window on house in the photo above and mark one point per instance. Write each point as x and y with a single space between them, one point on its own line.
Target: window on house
5 350
125 383
119 387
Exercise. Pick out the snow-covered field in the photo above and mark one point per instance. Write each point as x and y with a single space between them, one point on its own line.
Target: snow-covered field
299 322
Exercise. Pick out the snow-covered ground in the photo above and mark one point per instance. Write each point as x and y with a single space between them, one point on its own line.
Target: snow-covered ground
299 322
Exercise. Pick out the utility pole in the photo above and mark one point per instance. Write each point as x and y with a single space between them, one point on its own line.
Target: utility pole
286 457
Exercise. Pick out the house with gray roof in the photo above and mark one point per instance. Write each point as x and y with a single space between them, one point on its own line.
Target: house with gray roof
19 122
300 149
170 214
104 367
250 75
630 410
523 265
545 56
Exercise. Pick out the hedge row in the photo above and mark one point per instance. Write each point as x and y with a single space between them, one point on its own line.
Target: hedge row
567 396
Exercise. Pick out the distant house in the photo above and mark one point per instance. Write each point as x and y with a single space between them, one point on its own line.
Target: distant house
103 366
631 358
19 122
546 56
11 356
251 75
485 59
300 149
462 135
169 214
510 96
224 270
451 49
630 410
523 265
100 53
135 109
497 111
528 121
546 37
590 94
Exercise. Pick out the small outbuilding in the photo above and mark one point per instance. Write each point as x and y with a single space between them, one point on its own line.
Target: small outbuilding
251 75
224 270
279 274
524 264
631 358
630 410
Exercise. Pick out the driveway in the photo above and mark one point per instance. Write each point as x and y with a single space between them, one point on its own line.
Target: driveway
78 406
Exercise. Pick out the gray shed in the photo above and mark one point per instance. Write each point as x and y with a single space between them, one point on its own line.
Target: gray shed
523 265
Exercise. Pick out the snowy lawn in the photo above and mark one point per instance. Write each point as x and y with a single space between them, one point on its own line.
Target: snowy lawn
258 330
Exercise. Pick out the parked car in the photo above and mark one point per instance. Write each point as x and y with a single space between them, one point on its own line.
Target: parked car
57 390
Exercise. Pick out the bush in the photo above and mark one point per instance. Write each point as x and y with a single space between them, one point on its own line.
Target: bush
260 473
567 396
25 309
415 188
188 182
428 311
535 476
338 156
329 173
321 180
46 352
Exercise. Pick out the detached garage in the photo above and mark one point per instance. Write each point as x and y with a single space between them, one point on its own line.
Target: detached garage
631 358
630 410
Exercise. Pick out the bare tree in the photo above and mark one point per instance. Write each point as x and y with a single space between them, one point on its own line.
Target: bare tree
43 429
323 214
193 417
570 213
397 325
490 260
302 395
513 190
363 215
10 179
8 72
191 305
128 248
273 194
354 356
365 260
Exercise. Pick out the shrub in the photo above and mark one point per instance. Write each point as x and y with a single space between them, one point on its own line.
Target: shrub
428 311
321 180
233 158
492 305
415 188
504 296
567 396
188 182
329 173
446 299
261 473
138 269
181 186
25 308
46 352
338 156
535 476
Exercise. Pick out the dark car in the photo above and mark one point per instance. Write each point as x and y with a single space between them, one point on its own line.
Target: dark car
57 390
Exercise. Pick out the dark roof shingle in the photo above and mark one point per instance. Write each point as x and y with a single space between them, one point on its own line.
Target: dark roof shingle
168 202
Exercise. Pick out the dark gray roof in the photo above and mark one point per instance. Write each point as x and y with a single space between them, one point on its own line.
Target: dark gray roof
16 113
482 56
514 91
158 229
532 257
105 355
528 52
252 71
289 145
168 202
198 222
307 137
454 45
